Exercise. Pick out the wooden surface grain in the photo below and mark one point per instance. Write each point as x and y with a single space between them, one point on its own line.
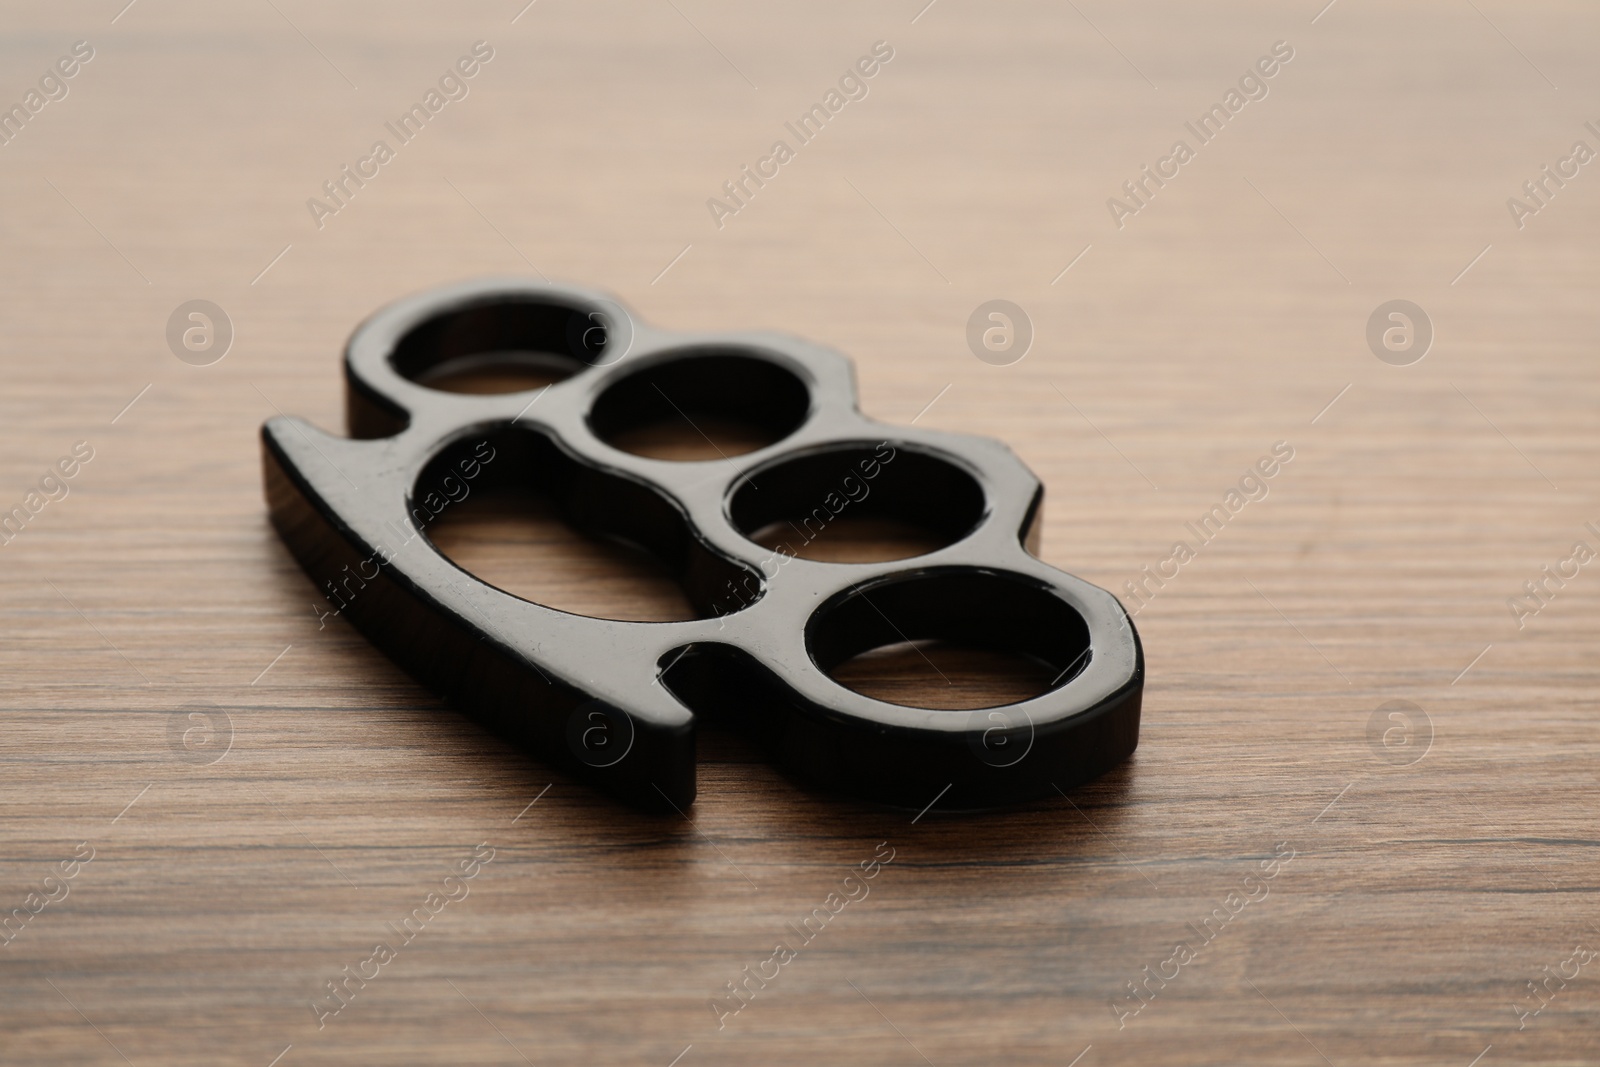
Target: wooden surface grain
261 796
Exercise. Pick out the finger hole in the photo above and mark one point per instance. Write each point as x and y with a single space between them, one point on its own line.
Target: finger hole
949 640
858 503
944 676
497 372
707 405
505 344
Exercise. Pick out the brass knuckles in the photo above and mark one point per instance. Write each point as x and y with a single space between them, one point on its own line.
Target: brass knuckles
616 702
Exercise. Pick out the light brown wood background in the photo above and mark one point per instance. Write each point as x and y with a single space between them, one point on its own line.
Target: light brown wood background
1222 318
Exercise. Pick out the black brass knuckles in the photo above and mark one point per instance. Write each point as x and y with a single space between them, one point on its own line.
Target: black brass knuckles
616 702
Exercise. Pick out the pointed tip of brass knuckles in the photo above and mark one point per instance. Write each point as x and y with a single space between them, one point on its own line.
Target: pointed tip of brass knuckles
614 703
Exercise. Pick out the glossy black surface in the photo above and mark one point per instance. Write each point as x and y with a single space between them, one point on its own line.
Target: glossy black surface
616 702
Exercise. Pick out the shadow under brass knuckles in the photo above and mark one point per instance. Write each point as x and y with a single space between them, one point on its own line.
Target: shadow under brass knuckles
616 703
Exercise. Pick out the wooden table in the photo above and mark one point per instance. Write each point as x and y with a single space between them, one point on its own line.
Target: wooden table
1433 858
